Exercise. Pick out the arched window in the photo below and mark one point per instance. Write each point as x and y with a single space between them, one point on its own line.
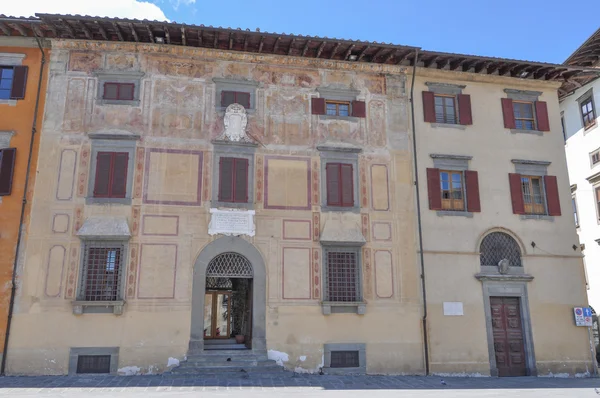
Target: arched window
229 265
498 246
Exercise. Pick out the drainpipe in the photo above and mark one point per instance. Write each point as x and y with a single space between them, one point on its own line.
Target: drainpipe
419 224
14 273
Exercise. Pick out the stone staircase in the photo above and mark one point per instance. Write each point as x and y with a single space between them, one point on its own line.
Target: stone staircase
225 356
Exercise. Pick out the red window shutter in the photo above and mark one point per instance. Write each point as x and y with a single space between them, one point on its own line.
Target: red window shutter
472 185
103 175
241 180
111 91
516 193
126 91
19 82
541 111
552 195
464 109
429 106
318 106
227 98
119 175
434 189
7 166
509 114
347 183
359 109
226 180
333 184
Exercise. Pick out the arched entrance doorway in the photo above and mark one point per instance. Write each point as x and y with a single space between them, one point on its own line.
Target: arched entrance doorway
227 269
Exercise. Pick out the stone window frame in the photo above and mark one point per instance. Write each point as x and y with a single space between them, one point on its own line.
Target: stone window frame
453 163
448 89
594 181
582 98
335 307
362 358
112 143
82 306
237 150
75 352
11 59
528 96
130 77
339 94
591 154
339 154
239 85
535 168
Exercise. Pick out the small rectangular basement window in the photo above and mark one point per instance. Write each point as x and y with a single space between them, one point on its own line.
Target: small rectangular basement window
87 364
345 359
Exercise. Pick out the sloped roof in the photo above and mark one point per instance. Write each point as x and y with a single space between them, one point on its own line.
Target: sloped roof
145 31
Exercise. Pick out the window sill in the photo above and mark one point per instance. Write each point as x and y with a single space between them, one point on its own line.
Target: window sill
335 117
221 110
99 201
118 102
231 205
359 370
98 307
589 128
543 217
520 131
8 102
443 213
352 209
449 125
331 307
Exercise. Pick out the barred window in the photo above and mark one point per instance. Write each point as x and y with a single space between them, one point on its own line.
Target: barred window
498 246
101 271
342 276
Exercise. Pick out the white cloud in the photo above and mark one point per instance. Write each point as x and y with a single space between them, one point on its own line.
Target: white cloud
177 3
110 8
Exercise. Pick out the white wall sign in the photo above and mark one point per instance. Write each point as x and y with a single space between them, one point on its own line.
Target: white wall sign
453 308
231 222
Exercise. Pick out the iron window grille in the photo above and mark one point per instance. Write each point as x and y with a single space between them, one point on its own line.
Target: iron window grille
87 364
118 91
102 271
214 283
498 246
343 276
344 359
229 265
445 109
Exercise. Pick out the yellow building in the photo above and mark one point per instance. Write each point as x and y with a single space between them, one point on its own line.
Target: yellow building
208 193
22 95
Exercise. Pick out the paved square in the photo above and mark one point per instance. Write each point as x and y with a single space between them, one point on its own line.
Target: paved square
295 385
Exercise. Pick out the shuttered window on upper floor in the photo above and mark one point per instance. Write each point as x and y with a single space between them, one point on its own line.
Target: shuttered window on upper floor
447 108
13 81
340 184
448 189
111 175
323 106
525 115
7 165
233 180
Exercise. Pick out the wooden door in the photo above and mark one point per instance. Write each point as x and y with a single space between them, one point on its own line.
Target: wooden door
507 328
217 317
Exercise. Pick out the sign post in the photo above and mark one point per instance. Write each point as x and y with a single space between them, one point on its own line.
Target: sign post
583 317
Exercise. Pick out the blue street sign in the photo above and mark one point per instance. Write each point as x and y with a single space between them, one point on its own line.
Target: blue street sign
587 311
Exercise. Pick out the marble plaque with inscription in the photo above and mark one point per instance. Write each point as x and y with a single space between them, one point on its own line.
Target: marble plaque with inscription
231 222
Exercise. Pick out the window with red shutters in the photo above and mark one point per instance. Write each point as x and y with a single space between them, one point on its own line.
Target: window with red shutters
7 166
119 91
433 189
111 175
233 180
340 184
235 97
472 185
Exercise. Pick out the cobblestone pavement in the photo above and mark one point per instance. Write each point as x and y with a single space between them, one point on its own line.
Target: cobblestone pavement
248 386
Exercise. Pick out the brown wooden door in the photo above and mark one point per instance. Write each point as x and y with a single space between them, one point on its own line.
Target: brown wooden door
508 336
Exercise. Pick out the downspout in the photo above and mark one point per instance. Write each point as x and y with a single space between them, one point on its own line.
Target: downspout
14 273
419 224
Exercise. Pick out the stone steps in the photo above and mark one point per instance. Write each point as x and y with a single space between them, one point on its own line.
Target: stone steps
233 346
228 361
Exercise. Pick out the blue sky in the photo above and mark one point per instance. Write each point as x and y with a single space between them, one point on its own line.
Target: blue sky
539 30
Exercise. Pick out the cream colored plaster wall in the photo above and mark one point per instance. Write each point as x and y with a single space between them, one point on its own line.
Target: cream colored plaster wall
177 113
451 244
